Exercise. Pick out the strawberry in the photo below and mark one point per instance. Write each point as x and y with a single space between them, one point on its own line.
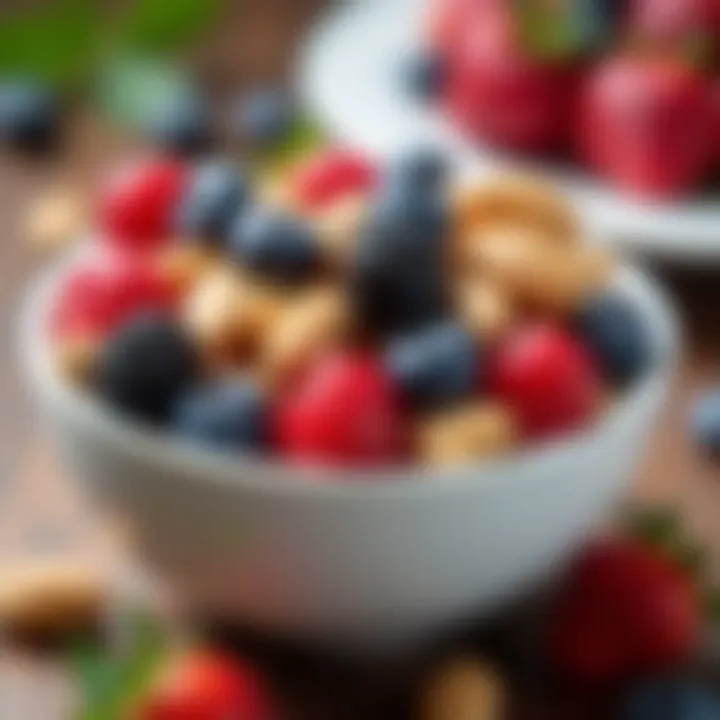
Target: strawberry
331 175
446 20
206 685
345 412
105 290
646 124
547 378
625 610
137 208
498 92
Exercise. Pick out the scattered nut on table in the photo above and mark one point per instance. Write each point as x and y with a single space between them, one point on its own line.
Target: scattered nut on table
44 598
56 219
463 689
184 264
466 433
338 227
485 307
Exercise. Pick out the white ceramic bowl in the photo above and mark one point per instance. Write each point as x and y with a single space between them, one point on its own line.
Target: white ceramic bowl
335 557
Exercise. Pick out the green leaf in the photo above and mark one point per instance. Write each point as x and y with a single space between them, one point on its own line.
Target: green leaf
55 43
712 606
657 526
111 683
303 137
162 25
132 88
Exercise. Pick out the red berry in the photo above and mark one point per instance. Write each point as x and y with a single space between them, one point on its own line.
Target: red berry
331 175
626 610
448 19
106 290
673 21
497 92
137 208
547 377
646 123
344 412
205 685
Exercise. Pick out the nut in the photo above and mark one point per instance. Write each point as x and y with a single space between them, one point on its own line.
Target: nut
211 313
44 598
56 219
515 200
338 227
316 321
553 278
464 689
183 264
75 358
485 308
464 434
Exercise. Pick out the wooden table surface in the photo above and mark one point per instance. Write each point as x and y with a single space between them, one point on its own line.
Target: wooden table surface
39 508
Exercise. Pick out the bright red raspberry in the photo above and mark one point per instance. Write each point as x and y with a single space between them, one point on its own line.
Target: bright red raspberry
137 209
548 379
345 412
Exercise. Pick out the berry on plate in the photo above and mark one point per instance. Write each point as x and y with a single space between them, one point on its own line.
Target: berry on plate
669 698
435 366
547 378
216 193
497 92
329 176
646 124
345 412
626 610
106 290
230 414
615 333
275 245
423 168
207 685
705 421
143 368
137 208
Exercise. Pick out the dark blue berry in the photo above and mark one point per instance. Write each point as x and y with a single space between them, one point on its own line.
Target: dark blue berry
423 75
423 168
183 126
230 415
263 115
669 699
616 335
29 116
145 366
218 192
275 245
434 366
397 275
706 421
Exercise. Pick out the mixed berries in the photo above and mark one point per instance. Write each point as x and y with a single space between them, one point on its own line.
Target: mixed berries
627 88
458 321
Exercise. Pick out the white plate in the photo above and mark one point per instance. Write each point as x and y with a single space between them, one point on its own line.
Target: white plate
351 78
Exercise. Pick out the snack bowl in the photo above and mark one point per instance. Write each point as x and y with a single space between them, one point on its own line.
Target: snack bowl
371 559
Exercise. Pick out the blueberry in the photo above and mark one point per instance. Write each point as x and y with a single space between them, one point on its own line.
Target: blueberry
706 421
424 74
263 115
616 335
669 698
423 168
145 366
434 366
230 414
275 245
183 126
29 116
218 192
396 277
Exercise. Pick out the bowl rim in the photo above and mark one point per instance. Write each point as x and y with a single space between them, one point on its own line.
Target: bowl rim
158 447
